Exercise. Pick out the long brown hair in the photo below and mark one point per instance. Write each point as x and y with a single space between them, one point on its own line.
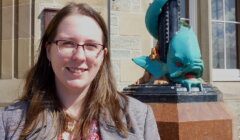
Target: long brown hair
40 90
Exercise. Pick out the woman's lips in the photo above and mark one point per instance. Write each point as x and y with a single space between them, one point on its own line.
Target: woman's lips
76 70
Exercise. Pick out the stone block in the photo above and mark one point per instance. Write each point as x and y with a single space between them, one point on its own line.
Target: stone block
7 23
136 5
147 45
136 53
10 90
114 19
6 3
188 121
132 24
121 5
230 90
102 10
120 54
114 30
7 59
37 20
126 42
90 2
24 57
233 105
145 4
20 2
24 23
46 1
126 5
36 48
116 69
129 71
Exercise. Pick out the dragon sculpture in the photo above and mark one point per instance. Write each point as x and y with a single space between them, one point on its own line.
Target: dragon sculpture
178 55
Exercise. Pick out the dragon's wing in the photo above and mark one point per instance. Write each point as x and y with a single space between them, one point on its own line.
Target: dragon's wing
155 67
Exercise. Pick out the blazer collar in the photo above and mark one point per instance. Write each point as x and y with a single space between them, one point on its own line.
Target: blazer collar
107 127
109 131
112 134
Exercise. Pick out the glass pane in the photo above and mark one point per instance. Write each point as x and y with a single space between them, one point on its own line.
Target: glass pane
184 9
231 47
230 10
217 9
218 45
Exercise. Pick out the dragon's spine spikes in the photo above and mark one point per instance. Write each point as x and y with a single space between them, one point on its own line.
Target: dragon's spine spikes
169 24
179 13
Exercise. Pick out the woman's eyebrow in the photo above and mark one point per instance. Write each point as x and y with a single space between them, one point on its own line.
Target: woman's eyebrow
91 41
67 38
70 38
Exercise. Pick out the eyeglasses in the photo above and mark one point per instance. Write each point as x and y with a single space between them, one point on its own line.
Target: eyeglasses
68 48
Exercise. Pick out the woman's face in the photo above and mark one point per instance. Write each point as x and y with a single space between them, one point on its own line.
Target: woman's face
75 70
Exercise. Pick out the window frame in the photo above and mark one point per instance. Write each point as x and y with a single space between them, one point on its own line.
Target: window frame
191 12
228 74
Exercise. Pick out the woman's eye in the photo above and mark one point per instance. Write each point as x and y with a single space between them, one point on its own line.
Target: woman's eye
90 46
68 43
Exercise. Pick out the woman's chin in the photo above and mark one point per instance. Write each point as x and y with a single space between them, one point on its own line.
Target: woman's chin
77 84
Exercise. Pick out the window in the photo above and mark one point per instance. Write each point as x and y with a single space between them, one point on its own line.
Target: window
185 10
225 40
189 13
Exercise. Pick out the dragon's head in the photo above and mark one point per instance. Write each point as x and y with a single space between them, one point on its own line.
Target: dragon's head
184 58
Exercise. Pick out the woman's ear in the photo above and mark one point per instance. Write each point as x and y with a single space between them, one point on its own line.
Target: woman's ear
105 51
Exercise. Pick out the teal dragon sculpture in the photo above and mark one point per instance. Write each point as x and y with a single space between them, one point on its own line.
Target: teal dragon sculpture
183 64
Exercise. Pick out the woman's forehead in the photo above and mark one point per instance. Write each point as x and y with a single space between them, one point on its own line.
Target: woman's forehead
79 26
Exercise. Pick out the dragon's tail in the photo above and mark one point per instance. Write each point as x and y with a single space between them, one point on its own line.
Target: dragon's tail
151 18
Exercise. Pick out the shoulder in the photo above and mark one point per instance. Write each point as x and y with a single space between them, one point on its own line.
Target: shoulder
138 110
142 118
15 108
13 113
11 117
136 105
132 104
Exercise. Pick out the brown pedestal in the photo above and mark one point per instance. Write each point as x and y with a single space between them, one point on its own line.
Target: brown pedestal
193 121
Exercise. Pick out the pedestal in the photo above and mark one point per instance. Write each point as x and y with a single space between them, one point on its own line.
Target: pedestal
183 115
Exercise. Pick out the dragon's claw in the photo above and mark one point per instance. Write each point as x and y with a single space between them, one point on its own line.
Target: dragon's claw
194 82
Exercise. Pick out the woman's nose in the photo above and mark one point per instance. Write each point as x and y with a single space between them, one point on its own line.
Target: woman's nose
79 54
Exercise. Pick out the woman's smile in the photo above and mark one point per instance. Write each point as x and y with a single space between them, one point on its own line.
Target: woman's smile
78 71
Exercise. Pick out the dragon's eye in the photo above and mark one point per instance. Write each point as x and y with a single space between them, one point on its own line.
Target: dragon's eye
179 64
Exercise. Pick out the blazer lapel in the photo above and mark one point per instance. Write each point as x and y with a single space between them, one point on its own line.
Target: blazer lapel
107 134
109 131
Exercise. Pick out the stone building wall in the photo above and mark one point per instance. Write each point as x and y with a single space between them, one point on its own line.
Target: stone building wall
231 97
129 39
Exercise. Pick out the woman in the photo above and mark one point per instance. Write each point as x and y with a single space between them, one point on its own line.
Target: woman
70 93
